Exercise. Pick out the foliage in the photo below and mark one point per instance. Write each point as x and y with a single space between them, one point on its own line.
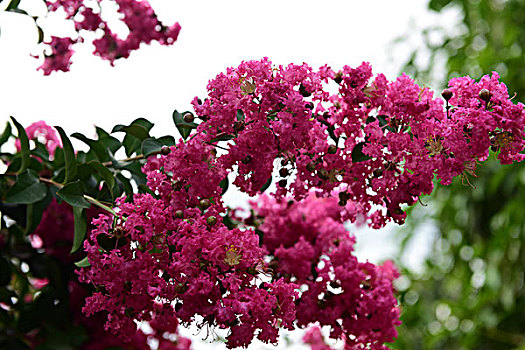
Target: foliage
470 292
490 38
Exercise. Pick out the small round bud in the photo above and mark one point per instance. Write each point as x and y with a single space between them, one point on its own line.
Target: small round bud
310 167
179 214
447 94
283 172
165 150
189 118
377 172
332 149
282 183
323 174
338 77
204 203
211 220
485 95
199 101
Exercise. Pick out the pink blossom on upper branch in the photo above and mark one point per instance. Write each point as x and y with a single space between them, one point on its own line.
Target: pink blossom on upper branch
43 133
138 16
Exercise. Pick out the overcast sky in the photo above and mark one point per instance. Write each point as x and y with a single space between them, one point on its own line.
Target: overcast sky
156 79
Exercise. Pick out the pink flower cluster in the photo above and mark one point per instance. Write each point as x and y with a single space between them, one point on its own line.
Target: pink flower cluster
43 133
180 254
138 16
375 144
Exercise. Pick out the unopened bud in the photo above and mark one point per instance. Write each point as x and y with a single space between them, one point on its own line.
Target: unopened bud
338 77
211 220
332 149
282 183
485 95
310 167
283 172
447 94
179 214
204 203
189 118
323 174
165 150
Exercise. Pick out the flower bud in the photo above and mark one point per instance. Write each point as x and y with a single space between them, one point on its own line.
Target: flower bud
204 203
189 118
323 174
338 77
332 149
211 220
165 150
179 214
447 94
310 167
485 95
282 183
283 172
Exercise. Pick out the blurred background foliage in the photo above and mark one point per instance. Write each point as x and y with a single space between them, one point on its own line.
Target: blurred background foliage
470 294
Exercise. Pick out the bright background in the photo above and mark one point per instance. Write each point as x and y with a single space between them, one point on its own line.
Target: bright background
215 35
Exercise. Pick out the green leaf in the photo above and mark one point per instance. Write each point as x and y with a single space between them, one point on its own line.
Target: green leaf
73 194
94 145
167 140
240 115
5 134
137 131
145 189
83 263
224 184
266 184
24 146
183 126
80 228
34 212
26 190
69 156
5 271
109 142
223 137
106 174
357 153
126 186
150 146
12 5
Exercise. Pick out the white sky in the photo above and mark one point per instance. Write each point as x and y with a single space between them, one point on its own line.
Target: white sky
156 79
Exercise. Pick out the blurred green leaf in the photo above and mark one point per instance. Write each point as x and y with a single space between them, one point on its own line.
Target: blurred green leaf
73 194
24 145
69 156
26 190
79 215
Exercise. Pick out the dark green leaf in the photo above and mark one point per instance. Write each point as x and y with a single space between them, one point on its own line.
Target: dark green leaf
145 189
13 4
106 174
224 184
167 140
80 228
24 146
83 263
35 211
109 142
135 130
223 137
357 153
126 186
5 134
266 184
69 156
73 194
183 126
94 145
5 271
240 115
26 190
150 146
